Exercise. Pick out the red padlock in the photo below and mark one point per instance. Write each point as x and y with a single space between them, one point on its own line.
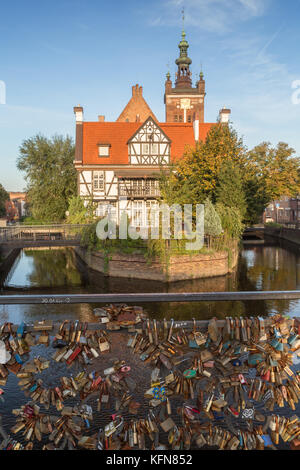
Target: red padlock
74 355
96 382
266 376
59 393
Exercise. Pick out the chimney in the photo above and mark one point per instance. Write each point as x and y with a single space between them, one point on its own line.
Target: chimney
101 118
78 111
224 115
196 127
137 90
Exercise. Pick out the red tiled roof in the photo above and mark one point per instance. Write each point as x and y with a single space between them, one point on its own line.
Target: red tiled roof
182 136
117 135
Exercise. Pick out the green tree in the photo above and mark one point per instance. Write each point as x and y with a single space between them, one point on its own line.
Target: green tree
230 188
4 196
231 220
256 197
276 168
200 167
81 211
212 221
50 175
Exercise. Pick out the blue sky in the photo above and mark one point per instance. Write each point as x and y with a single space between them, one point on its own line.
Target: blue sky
58 54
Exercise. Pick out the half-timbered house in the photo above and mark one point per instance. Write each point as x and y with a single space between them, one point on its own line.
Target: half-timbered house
118 162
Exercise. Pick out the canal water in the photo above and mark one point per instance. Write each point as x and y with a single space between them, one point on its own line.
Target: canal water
59 271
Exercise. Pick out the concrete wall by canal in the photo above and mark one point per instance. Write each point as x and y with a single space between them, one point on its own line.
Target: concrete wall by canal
289 234
178 268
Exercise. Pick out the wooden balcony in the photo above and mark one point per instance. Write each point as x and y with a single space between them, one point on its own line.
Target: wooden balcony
140 192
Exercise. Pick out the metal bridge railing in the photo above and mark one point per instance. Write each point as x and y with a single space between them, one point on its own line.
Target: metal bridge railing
151 297
41 232
137 298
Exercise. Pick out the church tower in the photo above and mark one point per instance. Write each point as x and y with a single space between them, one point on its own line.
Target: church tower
183 101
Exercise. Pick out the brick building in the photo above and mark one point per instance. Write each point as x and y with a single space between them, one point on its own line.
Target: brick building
283 211
118 162
15 206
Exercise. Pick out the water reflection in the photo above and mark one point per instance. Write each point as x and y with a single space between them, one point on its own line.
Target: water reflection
44 268
60 271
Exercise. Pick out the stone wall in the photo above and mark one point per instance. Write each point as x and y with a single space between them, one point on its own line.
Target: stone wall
7 259
290 234
181 267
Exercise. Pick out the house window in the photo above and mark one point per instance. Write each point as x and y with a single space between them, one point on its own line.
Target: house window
154 149
152 213
145 149
175 118
98 179
101 209
189 118
103 150
137 213
180 118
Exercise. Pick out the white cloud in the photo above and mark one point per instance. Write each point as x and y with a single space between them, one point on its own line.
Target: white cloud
217 16
254 7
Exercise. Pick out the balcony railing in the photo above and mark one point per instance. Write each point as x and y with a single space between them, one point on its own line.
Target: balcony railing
140 192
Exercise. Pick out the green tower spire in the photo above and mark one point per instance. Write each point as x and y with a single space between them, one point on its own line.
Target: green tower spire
183 47
183 62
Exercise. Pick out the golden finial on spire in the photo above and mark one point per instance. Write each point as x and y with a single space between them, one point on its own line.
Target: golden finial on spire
168 72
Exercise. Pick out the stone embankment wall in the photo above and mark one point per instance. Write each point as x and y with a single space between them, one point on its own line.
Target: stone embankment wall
178 268
7 258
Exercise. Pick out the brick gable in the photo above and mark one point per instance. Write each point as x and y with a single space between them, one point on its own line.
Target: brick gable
136 110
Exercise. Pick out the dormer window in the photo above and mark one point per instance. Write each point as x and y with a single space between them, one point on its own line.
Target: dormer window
103 150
